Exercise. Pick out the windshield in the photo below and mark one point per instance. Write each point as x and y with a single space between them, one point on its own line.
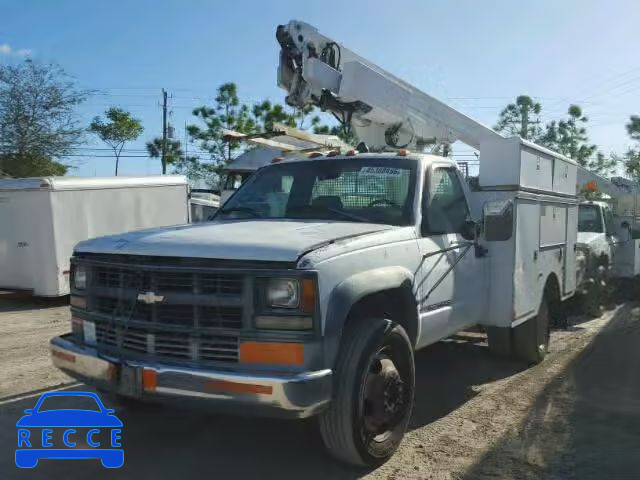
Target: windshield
589 219
374 190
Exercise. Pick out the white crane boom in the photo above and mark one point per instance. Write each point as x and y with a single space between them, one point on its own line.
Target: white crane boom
383 110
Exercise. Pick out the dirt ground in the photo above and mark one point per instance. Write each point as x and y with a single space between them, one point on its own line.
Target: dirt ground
576 416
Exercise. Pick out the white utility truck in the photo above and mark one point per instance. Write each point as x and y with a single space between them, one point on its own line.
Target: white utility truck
42 219
317 280
608 226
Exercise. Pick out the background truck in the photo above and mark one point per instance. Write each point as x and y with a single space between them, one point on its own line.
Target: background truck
316 282
42 219
608 234
203 204
282 141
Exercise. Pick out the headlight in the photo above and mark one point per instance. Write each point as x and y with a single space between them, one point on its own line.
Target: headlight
80 277
283 293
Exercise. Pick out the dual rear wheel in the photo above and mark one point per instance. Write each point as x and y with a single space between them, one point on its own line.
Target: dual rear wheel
527 342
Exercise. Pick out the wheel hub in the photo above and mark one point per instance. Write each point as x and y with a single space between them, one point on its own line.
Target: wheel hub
383 396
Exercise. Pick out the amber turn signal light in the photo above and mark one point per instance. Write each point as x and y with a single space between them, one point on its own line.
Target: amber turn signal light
272 353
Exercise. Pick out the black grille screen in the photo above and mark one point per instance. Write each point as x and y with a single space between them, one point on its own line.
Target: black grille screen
181 316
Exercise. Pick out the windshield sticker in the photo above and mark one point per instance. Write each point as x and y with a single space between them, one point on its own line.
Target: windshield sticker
381 171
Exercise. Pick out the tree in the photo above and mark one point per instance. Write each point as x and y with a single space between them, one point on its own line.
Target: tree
195 170
172 156
569 137
120 128
604 165
342 131
633 127
631 159
266 114
229 113
521 118
22 165
631 162
226 113
38 125
303 113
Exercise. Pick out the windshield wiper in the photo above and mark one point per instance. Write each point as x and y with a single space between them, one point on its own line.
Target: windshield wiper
351 216
248 210
341 213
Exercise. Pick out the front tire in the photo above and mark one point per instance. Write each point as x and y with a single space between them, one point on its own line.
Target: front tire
374 393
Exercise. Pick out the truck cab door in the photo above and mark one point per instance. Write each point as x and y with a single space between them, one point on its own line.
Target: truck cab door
450 276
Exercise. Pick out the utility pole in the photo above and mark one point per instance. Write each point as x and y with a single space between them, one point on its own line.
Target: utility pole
186 142
164 131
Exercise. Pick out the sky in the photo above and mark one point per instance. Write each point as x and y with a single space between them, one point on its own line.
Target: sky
475 55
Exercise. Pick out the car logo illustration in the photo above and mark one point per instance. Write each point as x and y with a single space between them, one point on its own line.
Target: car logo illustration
92 432
150 298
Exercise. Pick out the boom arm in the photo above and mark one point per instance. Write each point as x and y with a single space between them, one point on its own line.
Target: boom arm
383 110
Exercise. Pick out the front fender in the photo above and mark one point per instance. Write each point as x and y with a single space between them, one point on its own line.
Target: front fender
351 290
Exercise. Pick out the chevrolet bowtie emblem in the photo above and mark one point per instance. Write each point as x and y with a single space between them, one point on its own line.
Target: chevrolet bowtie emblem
150 297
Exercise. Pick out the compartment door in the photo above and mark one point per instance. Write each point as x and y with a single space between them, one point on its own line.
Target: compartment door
536 171
525 275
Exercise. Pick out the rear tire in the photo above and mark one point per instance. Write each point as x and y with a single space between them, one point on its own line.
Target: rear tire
531 338
373 393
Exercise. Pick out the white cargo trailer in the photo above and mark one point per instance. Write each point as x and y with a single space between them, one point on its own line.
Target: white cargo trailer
42 219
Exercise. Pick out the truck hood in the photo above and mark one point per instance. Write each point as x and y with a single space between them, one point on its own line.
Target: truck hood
273 240
587 238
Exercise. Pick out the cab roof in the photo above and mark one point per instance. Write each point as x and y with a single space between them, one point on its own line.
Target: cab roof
418 157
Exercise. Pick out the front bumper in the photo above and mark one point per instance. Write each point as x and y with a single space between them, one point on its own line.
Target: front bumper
296 395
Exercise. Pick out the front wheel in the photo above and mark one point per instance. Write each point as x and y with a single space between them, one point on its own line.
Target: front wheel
374 392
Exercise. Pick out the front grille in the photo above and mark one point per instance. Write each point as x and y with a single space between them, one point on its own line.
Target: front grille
119 277
136 342
198 320
169 315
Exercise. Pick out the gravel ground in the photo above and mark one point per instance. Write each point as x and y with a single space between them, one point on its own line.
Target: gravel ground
577 415
26 325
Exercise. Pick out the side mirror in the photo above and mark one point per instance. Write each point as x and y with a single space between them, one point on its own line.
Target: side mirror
625 225
469 230
29 411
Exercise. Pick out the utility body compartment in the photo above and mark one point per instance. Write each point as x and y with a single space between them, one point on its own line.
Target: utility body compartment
538 187
513 163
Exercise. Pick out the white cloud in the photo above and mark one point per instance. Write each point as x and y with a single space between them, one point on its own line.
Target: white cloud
6 49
